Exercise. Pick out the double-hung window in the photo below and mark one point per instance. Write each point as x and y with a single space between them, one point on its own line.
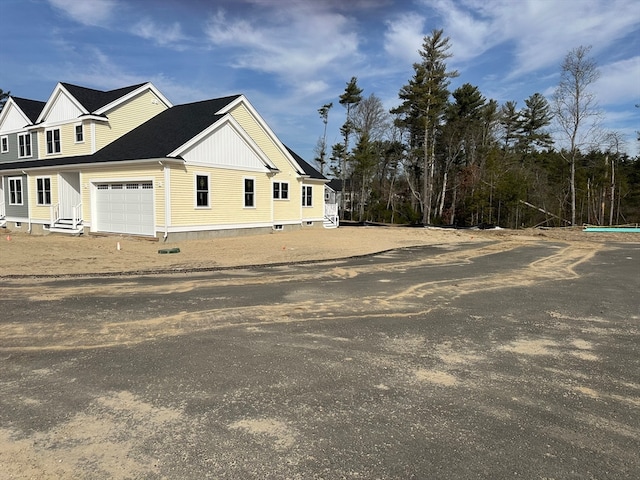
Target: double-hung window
307 196
24 145
280 191
202 191
249 192
79 131
15 191
4 144
43 185
53 141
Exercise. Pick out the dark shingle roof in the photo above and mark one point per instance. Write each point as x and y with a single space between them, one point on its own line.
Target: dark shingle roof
308 169
93 100
166 131
31 108
156 138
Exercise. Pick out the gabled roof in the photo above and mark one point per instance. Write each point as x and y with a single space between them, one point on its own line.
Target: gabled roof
166 132
156 138
93 100
308 169
31 108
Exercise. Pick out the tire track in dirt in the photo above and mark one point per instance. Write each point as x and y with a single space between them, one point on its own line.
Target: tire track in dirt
414 301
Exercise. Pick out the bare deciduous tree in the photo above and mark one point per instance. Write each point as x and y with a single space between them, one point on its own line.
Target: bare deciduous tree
576 110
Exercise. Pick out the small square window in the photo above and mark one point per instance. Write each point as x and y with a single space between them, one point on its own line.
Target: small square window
280 191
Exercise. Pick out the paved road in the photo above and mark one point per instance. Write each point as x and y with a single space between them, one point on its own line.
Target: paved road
492 361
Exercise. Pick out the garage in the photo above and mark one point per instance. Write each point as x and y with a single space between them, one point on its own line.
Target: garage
125 208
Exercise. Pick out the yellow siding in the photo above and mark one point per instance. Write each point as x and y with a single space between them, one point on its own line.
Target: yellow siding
42 212
226 198
127 116
288 210
68 147
113 173
316 211
283 211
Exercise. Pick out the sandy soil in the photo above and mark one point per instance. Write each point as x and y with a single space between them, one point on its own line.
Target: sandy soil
23 254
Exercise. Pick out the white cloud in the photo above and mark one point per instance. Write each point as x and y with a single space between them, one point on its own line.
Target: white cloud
403 37
299 44
619 82
162 35
537 33
87 12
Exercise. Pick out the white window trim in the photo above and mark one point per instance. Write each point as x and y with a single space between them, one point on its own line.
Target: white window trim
280 199
195 186
4 140
27 134
21 190
75 134
244 193
38 192
46 142
304 187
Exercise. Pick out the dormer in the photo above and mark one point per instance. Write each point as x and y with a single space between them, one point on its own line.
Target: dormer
79 121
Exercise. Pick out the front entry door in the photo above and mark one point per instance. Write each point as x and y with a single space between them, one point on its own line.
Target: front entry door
69 193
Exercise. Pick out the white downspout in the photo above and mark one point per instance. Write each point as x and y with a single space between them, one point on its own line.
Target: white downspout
167 200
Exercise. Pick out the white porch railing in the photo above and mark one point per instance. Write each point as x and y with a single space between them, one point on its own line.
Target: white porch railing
3 211
77 215
55 213
331 219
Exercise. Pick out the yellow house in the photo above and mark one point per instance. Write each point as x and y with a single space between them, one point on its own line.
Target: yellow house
190 170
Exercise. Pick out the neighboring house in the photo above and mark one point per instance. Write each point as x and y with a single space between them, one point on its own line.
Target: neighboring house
186 171
17 142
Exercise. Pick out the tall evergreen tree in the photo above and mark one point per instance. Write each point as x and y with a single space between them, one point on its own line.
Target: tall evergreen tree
321 159
349 99
4 96
535 117
424 100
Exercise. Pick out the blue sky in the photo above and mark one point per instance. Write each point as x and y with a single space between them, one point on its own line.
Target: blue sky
289 57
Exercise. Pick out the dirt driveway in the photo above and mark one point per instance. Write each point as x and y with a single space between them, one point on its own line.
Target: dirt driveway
23 254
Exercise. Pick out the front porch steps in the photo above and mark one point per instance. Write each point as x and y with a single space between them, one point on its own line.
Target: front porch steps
65 225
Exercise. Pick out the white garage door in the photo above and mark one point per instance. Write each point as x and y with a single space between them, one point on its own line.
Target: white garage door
125 208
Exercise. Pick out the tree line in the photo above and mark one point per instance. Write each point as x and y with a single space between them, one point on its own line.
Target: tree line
446 157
